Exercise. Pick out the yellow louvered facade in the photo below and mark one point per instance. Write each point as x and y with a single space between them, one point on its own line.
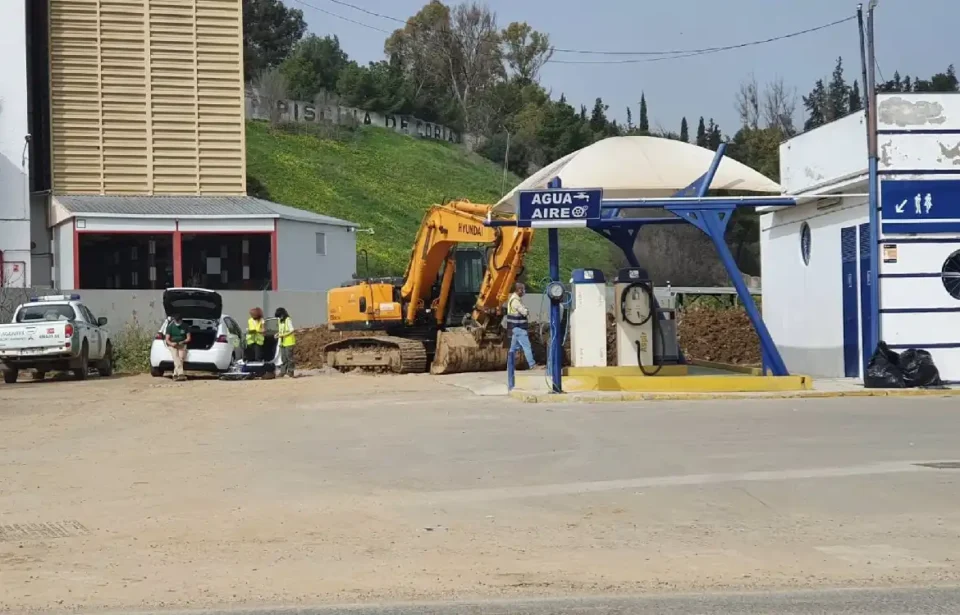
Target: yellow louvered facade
147 97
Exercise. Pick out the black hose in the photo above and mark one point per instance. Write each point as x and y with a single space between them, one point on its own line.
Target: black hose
648 289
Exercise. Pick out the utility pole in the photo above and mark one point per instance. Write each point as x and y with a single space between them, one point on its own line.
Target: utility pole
506 162
868 58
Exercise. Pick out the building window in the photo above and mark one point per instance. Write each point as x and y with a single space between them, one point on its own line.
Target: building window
322 244
805 243
950 274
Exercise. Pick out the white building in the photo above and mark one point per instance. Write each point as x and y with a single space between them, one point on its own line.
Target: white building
816 256
123 158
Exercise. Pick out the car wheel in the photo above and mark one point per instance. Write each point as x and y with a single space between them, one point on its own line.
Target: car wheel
106 364
80 373
10 375
156 372
38 375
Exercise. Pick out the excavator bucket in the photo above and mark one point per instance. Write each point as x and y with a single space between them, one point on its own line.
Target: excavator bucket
462 350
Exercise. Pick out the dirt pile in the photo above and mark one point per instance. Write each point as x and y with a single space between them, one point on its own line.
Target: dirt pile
720 335
539 338
310 342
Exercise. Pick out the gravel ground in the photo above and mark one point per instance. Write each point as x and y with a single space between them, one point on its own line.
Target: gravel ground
140 493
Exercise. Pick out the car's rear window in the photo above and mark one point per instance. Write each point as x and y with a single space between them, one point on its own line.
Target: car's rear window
45 313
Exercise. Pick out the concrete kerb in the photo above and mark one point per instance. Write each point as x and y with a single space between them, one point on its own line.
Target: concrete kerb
603 396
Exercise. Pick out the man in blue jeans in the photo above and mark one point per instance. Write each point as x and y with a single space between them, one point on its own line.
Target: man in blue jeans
517 324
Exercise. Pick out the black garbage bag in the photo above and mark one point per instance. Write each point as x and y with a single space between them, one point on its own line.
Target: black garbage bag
883 370
918 369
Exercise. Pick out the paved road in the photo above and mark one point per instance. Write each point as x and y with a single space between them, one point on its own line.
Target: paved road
829 602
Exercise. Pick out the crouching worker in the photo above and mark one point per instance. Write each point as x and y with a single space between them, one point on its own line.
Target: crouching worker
177 338
255 331
287 342
517 325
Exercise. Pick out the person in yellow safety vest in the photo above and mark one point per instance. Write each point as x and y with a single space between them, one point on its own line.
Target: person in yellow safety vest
287 341
517 325
255 329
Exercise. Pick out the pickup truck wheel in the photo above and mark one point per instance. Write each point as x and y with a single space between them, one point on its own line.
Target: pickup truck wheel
80 373
106 365
10 375
156 372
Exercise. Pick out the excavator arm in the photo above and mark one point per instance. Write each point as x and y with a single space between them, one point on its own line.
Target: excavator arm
443 228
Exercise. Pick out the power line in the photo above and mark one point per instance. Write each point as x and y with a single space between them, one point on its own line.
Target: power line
709 49
675 54
332 14
368 12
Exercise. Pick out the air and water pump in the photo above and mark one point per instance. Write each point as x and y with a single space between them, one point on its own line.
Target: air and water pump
638 323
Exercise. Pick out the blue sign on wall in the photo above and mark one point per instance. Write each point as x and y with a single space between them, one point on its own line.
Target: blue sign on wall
560 207
929 199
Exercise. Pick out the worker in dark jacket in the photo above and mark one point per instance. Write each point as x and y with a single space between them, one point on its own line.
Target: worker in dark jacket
177 337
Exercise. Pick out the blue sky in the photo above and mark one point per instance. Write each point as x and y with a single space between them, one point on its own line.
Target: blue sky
916 37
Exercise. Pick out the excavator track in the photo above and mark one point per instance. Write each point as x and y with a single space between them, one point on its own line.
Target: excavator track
382 353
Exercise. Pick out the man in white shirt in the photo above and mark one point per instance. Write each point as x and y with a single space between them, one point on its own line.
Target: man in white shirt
517 324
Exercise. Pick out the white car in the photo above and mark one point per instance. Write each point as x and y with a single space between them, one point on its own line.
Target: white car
216 340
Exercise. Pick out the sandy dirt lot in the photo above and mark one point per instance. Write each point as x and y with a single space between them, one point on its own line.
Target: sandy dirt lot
141 493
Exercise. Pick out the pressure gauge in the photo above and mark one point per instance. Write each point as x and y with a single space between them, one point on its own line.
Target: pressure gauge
555 291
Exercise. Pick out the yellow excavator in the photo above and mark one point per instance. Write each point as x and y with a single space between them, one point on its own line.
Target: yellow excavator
444 314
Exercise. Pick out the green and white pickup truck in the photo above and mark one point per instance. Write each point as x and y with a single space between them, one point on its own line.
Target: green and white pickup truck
55 333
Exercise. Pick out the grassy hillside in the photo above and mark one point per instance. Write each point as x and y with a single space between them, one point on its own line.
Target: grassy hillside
384 180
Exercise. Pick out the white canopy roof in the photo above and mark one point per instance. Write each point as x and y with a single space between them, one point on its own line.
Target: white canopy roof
640 167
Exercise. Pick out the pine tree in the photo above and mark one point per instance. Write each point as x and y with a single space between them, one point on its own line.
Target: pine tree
684 131
702 140
816 105
598 119
856 102
714 137
644 120
629 120
838 94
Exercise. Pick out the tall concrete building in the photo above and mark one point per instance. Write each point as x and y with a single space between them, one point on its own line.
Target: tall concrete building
123 165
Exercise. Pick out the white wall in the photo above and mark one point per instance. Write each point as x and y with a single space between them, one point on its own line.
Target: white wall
63 255
14 167
802 304
301 268
824 155
919 139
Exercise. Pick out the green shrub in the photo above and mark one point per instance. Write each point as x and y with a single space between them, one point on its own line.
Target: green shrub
131 349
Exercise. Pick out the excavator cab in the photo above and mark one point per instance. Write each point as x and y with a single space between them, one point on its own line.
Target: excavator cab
467 278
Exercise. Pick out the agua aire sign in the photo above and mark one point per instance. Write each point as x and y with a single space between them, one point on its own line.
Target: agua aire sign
560 205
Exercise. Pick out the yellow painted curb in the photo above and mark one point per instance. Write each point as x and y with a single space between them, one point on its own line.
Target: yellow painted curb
592 372
742 369
606 397
687 384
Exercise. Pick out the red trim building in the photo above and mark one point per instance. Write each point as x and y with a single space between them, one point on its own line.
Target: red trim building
222 243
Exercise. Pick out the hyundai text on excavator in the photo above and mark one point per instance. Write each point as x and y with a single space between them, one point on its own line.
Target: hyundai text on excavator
444 314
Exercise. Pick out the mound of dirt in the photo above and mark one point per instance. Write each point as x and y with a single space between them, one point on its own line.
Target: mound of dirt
720 335
310 342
